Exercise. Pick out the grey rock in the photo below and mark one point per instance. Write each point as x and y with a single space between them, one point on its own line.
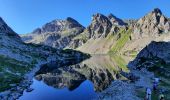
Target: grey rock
153 24
29 89
57 33
5 29
116 21
100 26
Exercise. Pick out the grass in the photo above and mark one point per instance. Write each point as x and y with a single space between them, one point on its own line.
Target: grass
82 36
8 79
160 69
11 71
120 62
155 95
121 41
131 53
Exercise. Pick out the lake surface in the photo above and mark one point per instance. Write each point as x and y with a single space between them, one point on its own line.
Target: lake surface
70 80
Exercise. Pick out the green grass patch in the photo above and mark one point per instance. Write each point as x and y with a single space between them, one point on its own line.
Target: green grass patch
12 71
82 36
131 53
13 65
120 62
124 37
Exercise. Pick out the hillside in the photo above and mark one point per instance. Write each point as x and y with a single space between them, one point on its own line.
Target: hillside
57 33
19 61
107 34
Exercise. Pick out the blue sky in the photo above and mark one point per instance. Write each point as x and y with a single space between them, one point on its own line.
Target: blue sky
23 16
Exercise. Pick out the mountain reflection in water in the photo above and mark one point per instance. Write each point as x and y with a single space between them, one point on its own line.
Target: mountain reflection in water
101 70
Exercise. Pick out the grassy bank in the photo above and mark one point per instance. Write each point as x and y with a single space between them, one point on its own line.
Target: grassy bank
12 71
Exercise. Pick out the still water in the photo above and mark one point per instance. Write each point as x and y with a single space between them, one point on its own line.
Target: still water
73 81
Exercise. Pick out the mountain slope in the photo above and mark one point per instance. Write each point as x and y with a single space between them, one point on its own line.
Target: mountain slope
5 29
100 35
19 60
57 33
153 24
108 34
152 27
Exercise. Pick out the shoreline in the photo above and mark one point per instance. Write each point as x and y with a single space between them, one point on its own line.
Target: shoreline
115 91
17 91
120 90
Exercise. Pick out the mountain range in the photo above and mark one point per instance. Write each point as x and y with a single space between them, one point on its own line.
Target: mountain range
62 39
105 34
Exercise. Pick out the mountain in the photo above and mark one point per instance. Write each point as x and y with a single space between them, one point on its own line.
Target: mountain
153 24
154 50
100 35
6 30
108 34
57 33
19 61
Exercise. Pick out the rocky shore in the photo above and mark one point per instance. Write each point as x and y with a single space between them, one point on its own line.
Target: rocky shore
18 89
127 90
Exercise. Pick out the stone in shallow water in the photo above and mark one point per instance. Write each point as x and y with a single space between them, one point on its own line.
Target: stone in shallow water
29 89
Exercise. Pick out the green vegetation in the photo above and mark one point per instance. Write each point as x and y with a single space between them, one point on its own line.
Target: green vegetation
11 71
71 54
161 70
131 53
120 62
82 36
124 37
155 96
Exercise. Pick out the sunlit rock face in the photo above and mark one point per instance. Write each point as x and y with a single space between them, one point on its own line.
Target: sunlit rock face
57 33
152 24
101 74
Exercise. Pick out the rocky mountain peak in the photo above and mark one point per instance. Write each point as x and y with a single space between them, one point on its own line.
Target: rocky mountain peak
100 26
5 29
100 18
57 33
58 25
153 24
116 21
157 11
72 23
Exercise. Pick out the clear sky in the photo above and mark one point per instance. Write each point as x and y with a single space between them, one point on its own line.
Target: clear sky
23 16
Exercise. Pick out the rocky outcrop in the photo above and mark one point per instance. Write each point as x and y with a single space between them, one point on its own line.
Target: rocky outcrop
5 29
153 24
152 53
57 33
116 21
58 26
104 33
101 25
